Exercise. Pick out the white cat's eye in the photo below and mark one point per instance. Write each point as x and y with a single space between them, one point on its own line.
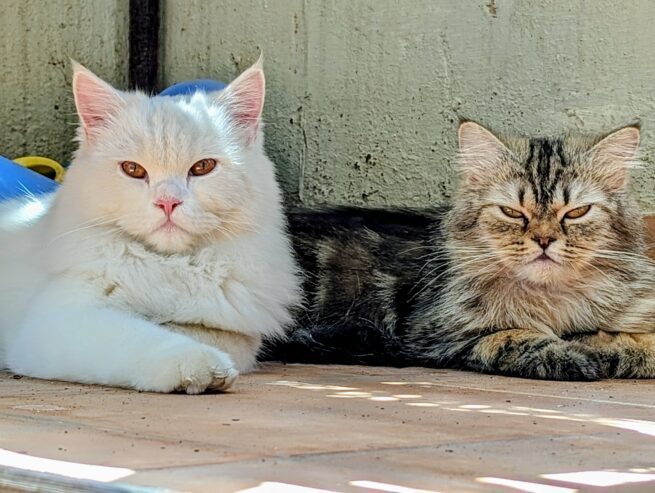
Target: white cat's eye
202 167
134 170
577 212
513 213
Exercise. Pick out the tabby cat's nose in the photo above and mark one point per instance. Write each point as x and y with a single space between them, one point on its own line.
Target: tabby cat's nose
544 241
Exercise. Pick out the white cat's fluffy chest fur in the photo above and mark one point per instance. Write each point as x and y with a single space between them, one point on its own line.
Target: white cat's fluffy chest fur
242 286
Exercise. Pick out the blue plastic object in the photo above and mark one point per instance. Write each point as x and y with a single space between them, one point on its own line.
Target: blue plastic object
17 181
191 86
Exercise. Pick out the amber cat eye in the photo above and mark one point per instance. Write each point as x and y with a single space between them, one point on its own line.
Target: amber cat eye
577 212
134 170
513 213
202 167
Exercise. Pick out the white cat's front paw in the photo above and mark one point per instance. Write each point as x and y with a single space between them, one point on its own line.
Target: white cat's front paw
192 368
220 379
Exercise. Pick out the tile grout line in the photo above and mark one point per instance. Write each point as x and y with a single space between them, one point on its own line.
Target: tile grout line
112 432
549 396
312 455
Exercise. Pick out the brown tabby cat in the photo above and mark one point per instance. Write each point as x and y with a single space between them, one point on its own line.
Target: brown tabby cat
537 270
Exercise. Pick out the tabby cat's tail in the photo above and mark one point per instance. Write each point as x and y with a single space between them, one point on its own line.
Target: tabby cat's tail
303 345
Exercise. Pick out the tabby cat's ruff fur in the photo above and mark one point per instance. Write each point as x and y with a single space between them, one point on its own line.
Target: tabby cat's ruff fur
461 287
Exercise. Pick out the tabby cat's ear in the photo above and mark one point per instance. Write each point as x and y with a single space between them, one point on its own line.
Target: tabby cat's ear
480 152
614 156
244 99
96 101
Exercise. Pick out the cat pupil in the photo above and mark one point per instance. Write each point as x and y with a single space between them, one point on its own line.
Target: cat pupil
202 167
133 169
513 213
578 212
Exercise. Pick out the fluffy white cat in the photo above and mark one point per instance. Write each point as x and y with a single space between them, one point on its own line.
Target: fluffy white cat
163 259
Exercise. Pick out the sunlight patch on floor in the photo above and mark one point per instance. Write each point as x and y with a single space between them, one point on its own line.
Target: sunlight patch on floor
525 486
389 488
643 427
461 387
584 478
309 386
272 487
601 478
63 468
340 392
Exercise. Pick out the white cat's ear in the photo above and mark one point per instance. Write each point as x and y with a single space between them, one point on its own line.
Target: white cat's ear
95 100
480 152
244 99
615 155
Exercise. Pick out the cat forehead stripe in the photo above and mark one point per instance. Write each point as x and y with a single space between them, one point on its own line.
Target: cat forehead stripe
545 166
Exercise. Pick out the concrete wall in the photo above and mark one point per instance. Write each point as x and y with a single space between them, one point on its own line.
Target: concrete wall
364 95
37 40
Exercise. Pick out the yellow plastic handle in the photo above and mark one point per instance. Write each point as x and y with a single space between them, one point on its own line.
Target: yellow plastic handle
44 166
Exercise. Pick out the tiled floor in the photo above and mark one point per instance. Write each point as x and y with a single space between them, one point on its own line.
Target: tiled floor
348 429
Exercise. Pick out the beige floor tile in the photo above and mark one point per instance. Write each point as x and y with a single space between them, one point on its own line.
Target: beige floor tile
327 427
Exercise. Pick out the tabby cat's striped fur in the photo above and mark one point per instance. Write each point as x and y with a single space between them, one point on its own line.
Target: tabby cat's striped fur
519 277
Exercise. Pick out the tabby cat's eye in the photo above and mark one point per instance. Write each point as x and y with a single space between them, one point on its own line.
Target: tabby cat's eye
513 213
134 170
577 212
202 167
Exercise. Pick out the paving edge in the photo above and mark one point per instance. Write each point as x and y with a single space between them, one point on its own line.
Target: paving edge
13 479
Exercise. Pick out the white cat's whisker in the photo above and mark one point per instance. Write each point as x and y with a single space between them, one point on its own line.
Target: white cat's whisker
90 224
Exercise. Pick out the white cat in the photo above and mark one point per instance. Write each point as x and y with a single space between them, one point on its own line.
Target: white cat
163 259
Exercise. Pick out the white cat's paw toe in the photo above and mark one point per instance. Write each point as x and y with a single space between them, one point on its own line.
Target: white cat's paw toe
217 379
224 378
207 369
194 368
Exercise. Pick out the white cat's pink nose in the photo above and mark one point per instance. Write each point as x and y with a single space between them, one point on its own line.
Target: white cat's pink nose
168 204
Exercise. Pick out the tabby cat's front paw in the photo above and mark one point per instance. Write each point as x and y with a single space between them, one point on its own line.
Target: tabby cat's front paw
193 368
567 361
624 355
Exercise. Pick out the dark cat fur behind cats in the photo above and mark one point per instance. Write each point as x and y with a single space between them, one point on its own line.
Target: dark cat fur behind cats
460 288
362 272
